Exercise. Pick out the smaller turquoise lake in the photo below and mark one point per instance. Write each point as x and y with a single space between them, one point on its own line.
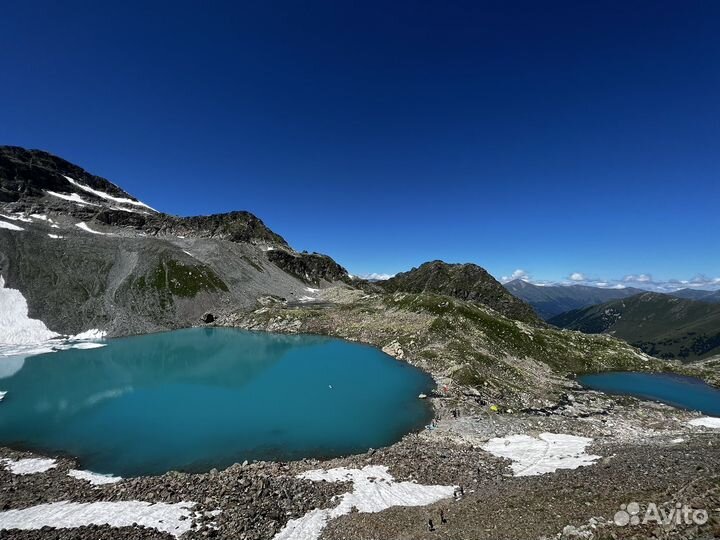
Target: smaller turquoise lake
200 398
676 390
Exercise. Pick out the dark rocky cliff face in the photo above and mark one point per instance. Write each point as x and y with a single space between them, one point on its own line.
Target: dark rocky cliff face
29 178
464 281
31 173
310 267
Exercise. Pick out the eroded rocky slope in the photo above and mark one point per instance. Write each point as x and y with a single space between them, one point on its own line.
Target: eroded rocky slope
86 254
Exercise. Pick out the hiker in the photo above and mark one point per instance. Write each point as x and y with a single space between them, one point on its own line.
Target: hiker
431 527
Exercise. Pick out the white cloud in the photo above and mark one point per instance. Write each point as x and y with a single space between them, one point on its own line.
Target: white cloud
374 276
517 274
643 281
639 278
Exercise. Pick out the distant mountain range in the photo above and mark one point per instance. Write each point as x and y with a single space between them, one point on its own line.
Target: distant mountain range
548 301
551 300
712 297
661 325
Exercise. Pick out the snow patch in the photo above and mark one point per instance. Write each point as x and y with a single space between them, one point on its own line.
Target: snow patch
72 197
107 196
10 226
374 490
548 453
21 336
311 290
86 346
2 395
84 226
89 335
85 340
16 217
55 236
95 479
16 328
29 465
130 210
307 299
706 421
174 518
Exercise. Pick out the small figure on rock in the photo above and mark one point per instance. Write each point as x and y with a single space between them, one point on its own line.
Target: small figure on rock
431 527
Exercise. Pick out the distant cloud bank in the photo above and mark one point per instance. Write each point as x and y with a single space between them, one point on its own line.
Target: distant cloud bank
640 281
376 277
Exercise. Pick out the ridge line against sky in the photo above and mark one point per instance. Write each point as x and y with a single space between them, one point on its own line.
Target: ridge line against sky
545 136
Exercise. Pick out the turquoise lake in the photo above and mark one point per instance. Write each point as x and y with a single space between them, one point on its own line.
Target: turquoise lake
676 390
200 398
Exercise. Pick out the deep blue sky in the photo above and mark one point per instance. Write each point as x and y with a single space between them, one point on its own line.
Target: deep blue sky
555 137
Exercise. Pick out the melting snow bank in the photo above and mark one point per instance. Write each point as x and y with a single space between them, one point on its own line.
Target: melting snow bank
10 226
107 196
41 465
85 227
706 421
16 328
89 335
95 479
174 519
549 452
21 335
73 197
29 465
374 490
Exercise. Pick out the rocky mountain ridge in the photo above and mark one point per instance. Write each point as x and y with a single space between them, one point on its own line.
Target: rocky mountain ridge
86 254
36 182
463 281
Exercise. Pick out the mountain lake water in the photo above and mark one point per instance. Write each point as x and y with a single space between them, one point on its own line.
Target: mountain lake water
200 398
676 390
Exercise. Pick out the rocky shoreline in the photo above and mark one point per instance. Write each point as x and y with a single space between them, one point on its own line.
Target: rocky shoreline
648 453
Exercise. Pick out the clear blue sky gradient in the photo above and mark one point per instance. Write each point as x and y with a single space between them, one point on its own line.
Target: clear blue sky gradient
557 137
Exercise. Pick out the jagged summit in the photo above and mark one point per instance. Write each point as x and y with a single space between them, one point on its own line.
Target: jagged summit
464 281
34 173
37 182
